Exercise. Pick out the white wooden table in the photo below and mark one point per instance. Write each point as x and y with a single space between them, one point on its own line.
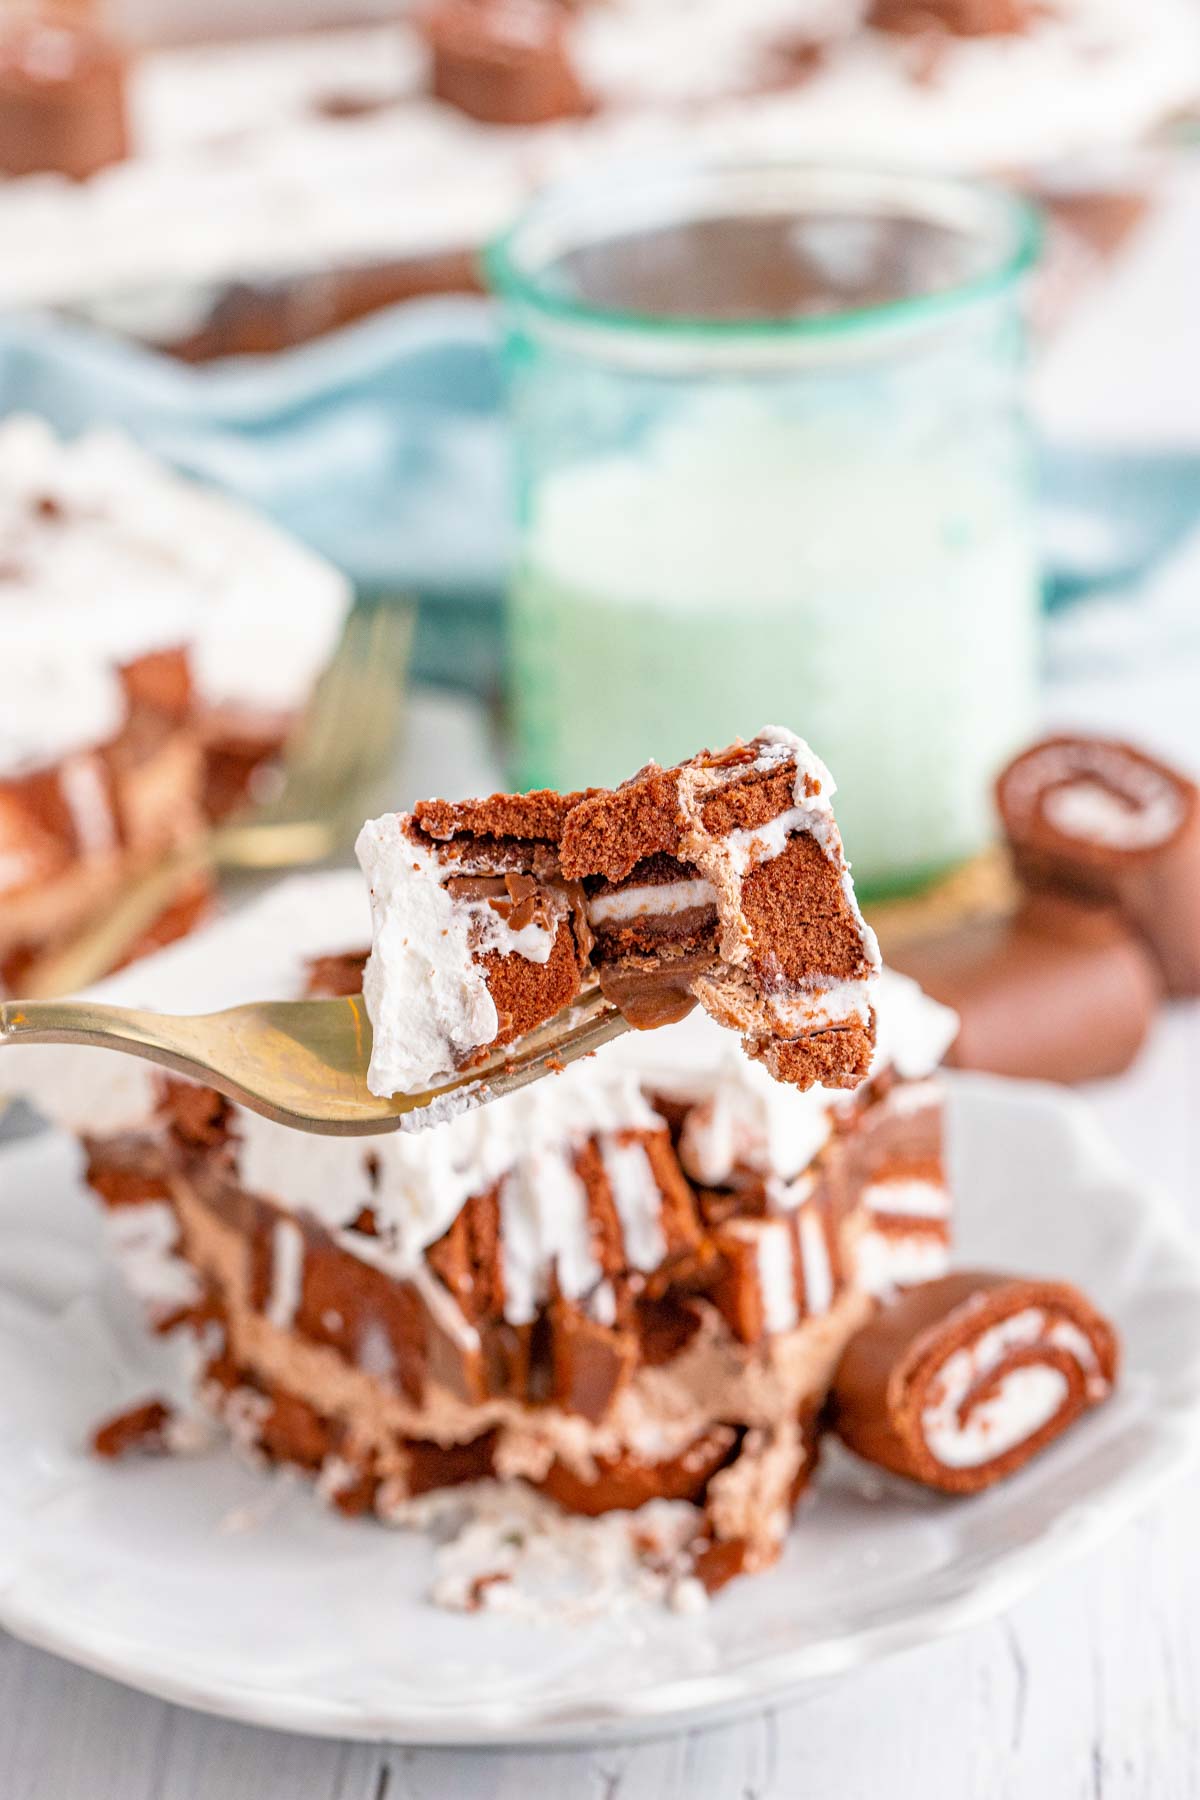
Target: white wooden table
1089 1690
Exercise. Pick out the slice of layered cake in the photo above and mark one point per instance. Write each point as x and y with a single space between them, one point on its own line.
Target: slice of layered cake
721 880
158 641
629 1283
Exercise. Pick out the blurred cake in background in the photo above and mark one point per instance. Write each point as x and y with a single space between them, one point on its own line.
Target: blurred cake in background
158 641
321 176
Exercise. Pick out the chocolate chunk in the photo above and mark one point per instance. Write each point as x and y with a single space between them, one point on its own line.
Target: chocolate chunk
962 18
961 1381
62 99
506 62
141 1428
1062 991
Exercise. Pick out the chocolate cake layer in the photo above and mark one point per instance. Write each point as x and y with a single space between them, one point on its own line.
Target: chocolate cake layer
720 881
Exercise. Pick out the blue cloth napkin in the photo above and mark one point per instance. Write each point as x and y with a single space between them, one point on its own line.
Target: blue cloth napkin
382 446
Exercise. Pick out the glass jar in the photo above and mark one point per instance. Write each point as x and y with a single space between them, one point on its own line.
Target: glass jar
772 467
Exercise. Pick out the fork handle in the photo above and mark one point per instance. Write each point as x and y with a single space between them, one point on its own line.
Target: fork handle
168 1040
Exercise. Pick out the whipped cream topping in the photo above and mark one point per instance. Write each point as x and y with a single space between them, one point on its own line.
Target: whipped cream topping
427 997
107 555
742 1117
246 141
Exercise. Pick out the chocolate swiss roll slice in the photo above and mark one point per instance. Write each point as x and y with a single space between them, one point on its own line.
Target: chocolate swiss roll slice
961 1381
1102 819
721 880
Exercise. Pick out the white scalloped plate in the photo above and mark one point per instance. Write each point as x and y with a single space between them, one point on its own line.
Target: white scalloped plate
313 1624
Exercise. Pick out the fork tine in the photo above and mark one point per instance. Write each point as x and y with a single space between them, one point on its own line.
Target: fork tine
319 732
356 706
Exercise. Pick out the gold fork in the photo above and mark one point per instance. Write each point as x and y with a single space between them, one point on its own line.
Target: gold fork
304 1062
343 746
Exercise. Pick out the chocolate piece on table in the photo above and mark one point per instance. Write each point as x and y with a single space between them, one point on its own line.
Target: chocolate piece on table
721 880
1061 991
961 1381
62 99
143 1428
1095 817
506 62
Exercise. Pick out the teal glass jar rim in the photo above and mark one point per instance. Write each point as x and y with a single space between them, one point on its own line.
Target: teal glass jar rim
621 201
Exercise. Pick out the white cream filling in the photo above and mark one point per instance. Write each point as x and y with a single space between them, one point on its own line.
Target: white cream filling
657 902
545 1223
1096 793
144 1241
287 1274
757 844
637 1198
819 1008
86 794
489 930
741 1116
887 1260
910 1097
814 1260
17 867
1025 1399
1096 814
906 1198
777 1275
58 700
